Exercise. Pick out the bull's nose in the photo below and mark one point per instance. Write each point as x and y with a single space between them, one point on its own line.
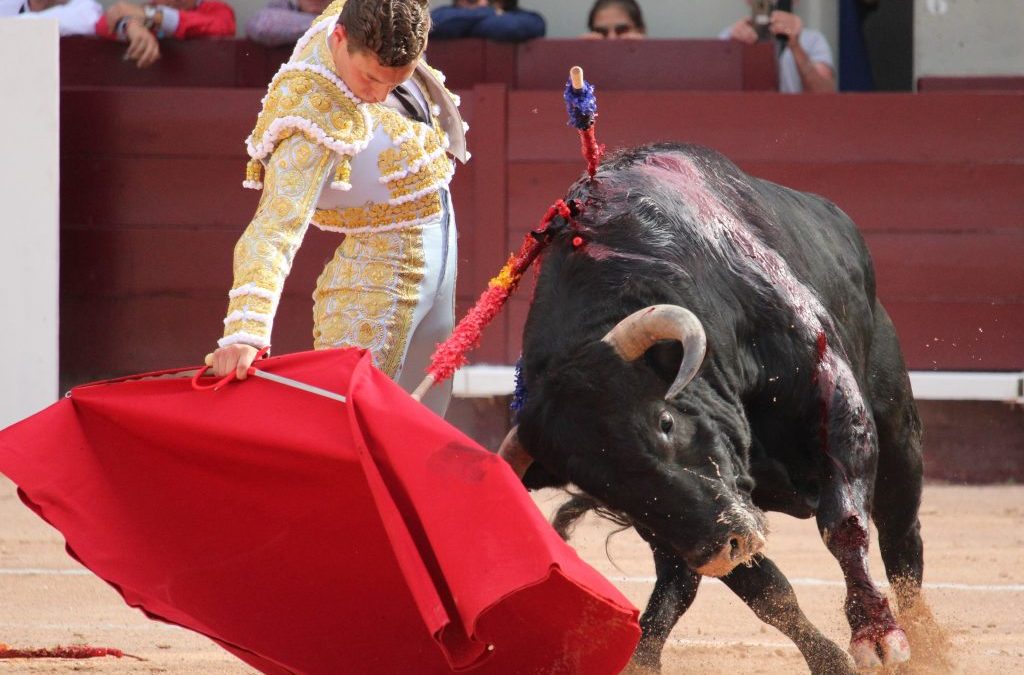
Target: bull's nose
738 549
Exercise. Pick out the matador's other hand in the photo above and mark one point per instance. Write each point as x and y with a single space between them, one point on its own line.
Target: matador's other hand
233 358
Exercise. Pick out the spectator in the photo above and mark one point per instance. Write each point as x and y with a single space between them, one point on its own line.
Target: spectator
491 19
282 22
805 58
74 17
143 25
615 20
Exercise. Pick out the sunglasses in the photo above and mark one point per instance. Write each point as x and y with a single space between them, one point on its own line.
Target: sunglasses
617 29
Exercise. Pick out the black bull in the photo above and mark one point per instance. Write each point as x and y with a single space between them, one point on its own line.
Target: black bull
801 403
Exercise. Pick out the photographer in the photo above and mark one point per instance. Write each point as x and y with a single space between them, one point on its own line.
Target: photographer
805 58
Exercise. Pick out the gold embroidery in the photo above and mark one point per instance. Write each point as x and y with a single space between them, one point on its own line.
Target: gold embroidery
343 169
333 9
263 254
389 161
317 101
253 171
411 152
342 122
367 294
395 125
379 215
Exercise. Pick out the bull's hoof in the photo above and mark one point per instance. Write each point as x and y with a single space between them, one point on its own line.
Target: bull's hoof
891 649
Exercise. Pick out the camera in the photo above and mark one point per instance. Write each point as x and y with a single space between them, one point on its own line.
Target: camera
761 15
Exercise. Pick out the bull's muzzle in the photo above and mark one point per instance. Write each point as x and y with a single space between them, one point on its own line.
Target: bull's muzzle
739 549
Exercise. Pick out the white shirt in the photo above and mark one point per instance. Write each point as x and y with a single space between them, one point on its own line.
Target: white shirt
817 48
75 17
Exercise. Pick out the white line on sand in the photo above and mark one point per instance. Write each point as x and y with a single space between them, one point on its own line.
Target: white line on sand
32 571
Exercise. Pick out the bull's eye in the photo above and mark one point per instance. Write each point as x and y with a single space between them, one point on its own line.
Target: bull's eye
665 422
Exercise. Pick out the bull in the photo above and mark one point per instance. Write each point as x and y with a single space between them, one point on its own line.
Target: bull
704 346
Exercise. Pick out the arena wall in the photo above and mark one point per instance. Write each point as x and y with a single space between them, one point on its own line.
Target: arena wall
152 204
29 222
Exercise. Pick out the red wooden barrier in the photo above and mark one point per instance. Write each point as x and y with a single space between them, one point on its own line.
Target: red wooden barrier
672 65
936 83
938 192
152 203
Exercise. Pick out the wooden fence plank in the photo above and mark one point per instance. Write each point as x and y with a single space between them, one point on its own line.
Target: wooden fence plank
759 127
879 197
159 121
724 65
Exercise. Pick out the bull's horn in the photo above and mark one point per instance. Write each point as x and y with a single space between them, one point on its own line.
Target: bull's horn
638 332
512 452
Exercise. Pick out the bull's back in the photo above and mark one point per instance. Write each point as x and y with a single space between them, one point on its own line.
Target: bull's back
683 224
800 245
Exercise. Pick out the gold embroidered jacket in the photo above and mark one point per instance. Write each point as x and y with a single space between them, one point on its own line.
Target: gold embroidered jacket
306 138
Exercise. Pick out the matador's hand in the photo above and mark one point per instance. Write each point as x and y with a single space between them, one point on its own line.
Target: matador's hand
233 358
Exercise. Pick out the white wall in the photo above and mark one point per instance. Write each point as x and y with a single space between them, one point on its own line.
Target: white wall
968 37
29 229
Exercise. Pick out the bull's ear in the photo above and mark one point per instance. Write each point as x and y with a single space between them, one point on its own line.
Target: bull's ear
664 358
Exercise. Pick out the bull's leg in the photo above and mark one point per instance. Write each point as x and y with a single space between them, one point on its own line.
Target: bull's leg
876 639
899 476
898 497
849 446
673 594
766 590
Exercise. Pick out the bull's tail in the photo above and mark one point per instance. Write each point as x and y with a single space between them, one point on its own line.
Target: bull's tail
564 520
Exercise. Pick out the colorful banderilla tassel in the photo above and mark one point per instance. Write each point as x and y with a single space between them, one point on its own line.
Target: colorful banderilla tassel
581 106
451 354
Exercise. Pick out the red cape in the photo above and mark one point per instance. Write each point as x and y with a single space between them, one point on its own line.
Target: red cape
307 535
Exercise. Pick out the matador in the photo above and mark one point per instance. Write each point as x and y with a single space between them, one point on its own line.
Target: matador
356 142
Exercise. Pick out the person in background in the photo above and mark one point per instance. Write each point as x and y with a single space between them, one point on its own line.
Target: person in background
805 58
74 17
282 22
615 20
142 26
500 20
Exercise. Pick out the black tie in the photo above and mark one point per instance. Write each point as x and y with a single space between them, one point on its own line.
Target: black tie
410 104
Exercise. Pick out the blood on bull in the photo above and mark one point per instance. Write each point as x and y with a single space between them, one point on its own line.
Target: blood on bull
704 346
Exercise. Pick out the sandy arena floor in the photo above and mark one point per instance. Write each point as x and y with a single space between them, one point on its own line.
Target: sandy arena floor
974 579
